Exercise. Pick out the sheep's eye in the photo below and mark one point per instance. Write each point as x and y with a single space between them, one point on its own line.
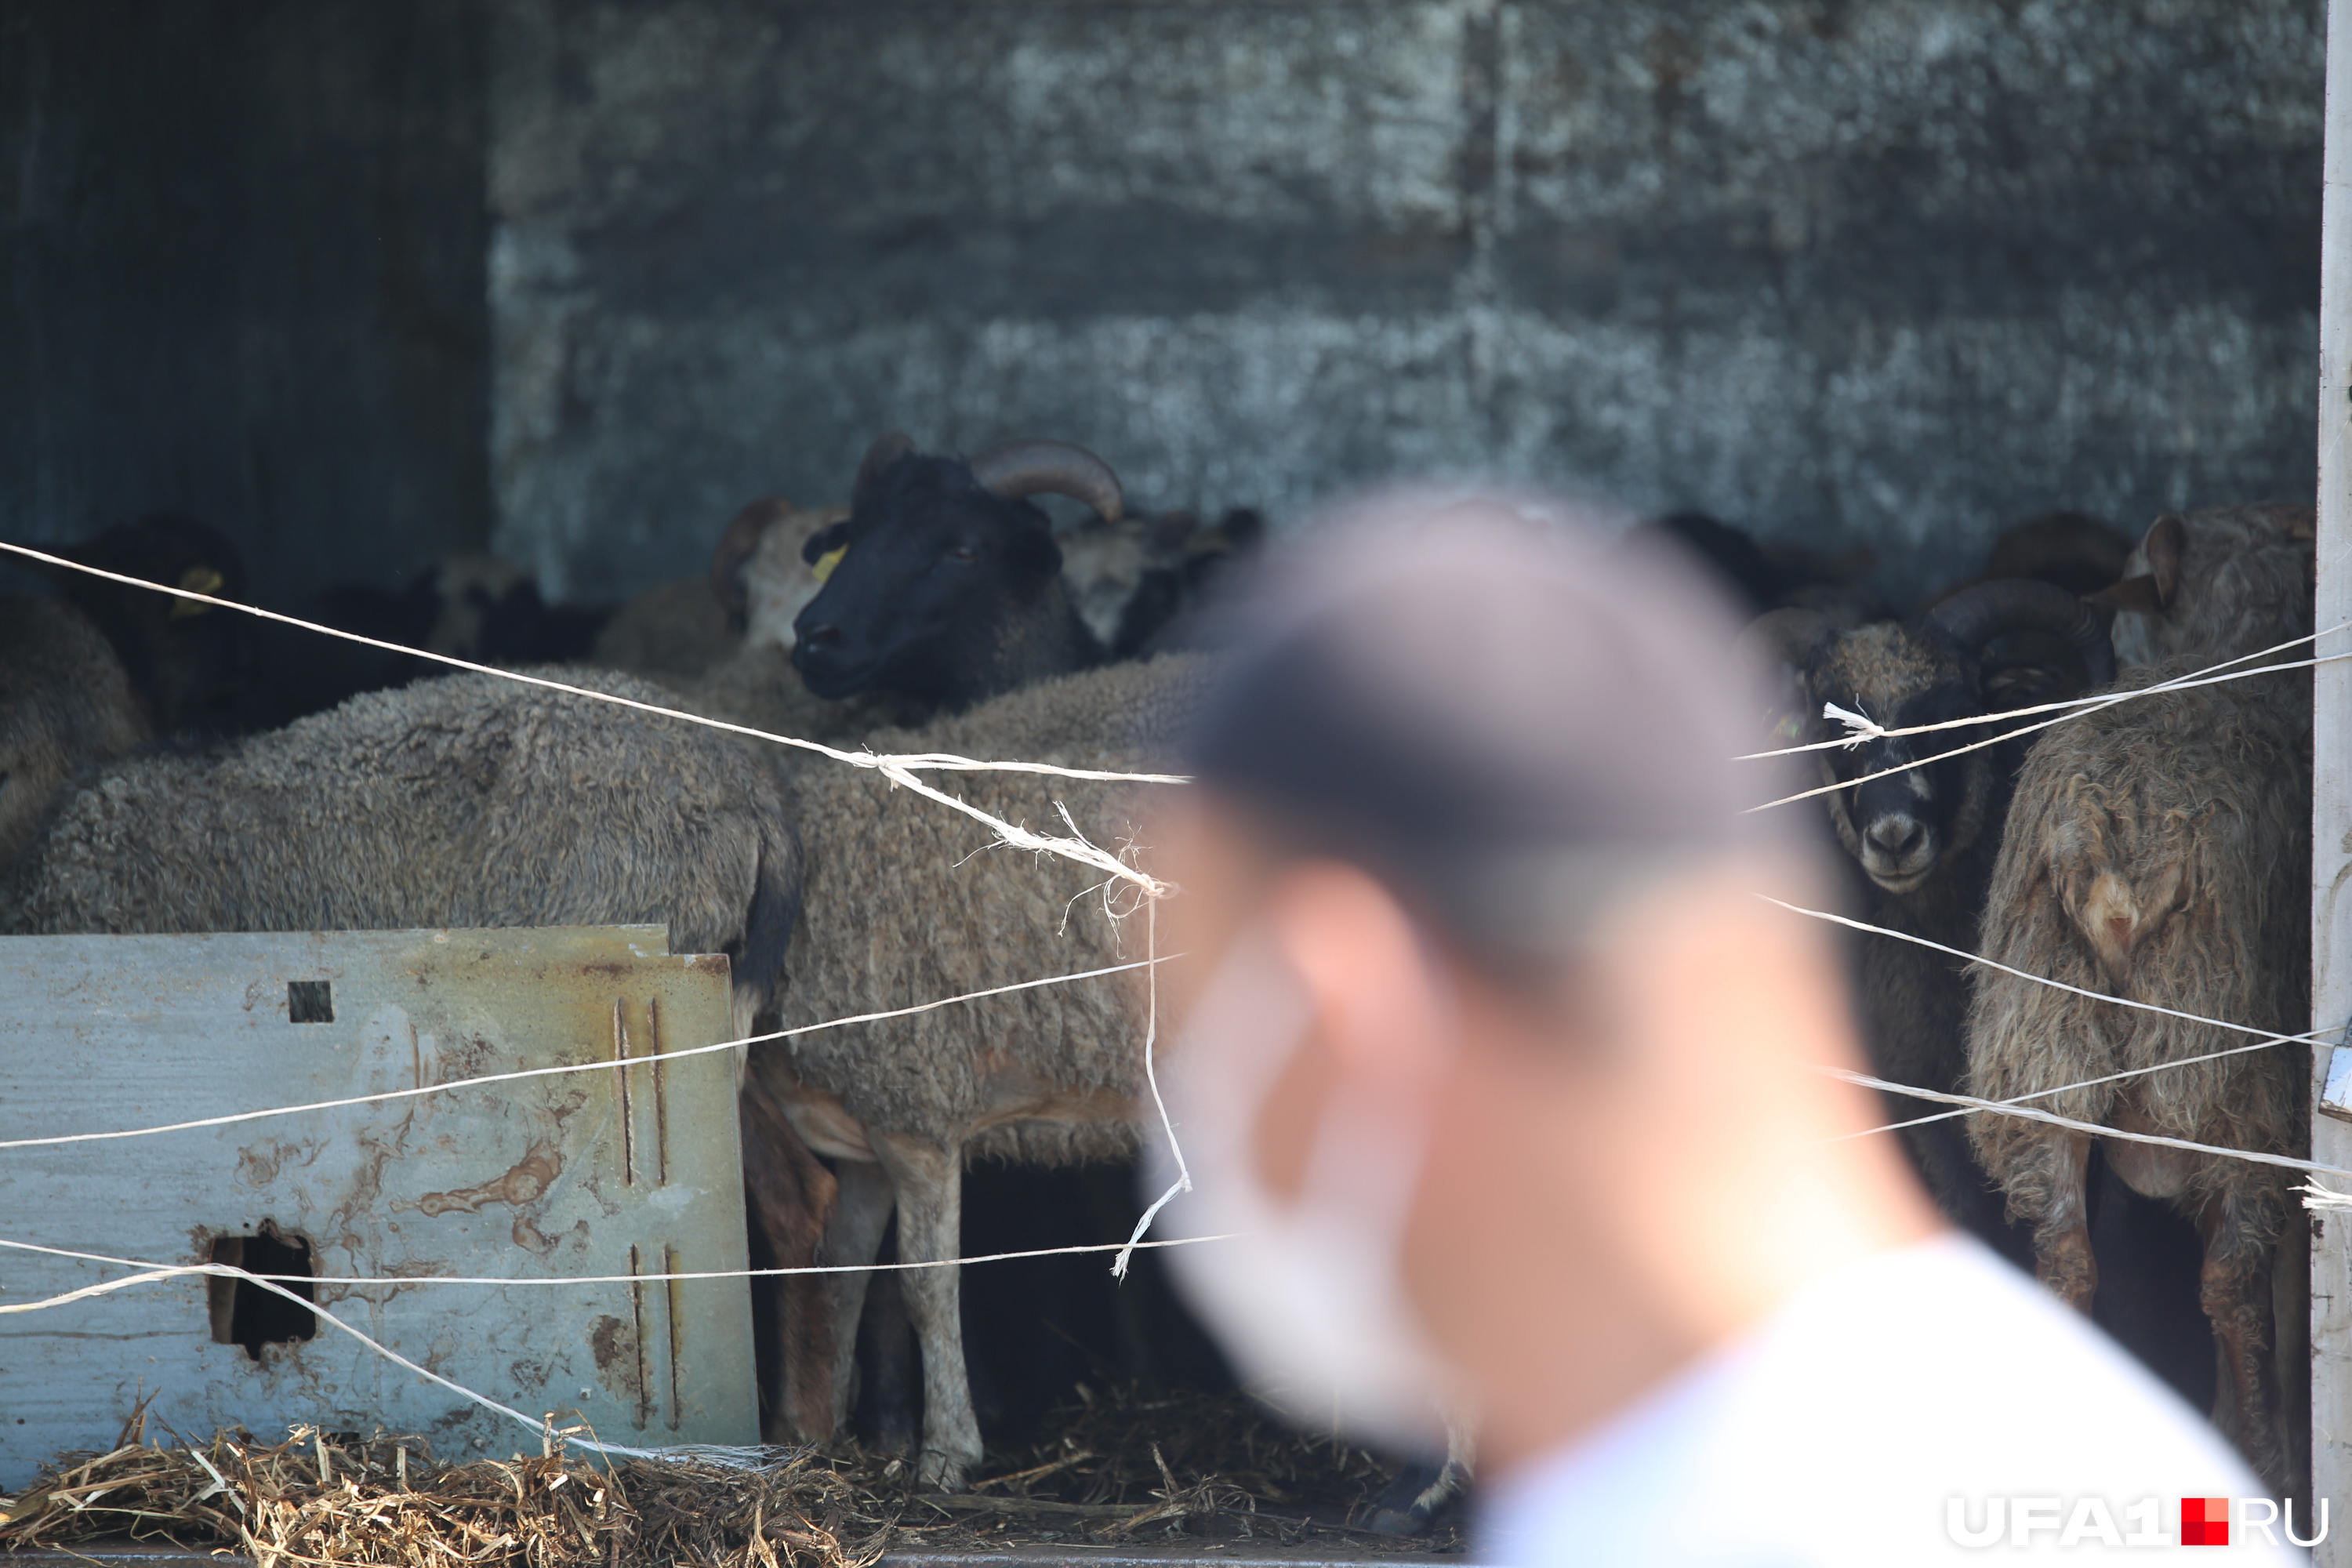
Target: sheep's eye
964 553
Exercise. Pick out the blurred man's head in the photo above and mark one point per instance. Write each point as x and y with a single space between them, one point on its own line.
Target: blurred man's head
1488 1039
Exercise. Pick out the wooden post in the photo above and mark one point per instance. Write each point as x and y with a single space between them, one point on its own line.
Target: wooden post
2331 840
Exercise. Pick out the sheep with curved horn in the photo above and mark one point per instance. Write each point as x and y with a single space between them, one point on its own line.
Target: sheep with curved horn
944 584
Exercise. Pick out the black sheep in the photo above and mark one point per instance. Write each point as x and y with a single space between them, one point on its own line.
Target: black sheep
944 584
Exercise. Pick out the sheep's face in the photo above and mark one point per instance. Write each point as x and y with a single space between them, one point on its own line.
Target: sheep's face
776 583
1903 826
928 577
1108 566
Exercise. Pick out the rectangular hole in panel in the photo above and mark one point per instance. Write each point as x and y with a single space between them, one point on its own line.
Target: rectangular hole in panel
242 1312
309 1001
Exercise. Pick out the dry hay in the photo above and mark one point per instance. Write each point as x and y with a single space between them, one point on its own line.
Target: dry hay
1127 1448
318 1499
1125 1469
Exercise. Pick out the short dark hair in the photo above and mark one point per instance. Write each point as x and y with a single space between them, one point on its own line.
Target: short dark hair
1509 724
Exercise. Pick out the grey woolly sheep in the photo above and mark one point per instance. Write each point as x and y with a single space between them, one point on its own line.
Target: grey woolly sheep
65 705
756 686
907 903
2159 849
471 801
1919 826
2219 582
672 631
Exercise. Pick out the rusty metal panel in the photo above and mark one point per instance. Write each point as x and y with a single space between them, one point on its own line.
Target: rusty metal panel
631 1172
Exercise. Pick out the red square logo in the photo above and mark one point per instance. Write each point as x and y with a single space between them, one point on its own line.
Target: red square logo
2204 1521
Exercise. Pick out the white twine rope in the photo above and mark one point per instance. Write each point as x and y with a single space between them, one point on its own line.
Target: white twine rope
897 769
2324 1200
2029 1113
2109 701
501 1280
2268 1038
1860 727
603 1064
2016 1106
150 1273
1183 1182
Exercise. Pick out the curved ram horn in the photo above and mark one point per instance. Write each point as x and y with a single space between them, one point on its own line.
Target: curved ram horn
738 544
886 449
1020 469
1975 615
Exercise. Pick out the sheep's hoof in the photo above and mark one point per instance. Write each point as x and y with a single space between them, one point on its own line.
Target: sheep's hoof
1414 1503
941 1472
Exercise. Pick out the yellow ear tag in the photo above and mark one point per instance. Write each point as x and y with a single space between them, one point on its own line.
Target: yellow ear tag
196 580
825 564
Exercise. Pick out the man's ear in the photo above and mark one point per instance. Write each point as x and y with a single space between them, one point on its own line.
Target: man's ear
1371 981
1376 1026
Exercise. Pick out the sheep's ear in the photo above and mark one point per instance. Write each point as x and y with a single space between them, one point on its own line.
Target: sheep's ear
2167 537
1781 645
878 457
197 579
1787 708
826 540
2137 595
738 544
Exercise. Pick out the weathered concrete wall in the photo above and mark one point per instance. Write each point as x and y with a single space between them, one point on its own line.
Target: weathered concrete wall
242 252
1896 271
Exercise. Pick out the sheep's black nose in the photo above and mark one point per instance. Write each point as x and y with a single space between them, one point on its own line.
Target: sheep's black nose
1898 836
826 635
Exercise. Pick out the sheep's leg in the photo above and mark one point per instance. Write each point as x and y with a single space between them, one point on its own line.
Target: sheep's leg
1420 1492
889 1380
2236 1294
790 1199
2291 1351
930 1223
2062 1227
861 1212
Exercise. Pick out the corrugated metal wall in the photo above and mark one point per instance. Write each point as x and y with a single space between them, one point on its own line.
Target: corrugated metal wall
1884 269
242 246
362 282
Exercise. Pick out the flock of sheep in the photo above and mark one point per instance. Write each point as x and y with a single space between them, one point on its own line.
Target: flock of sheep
2153 849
